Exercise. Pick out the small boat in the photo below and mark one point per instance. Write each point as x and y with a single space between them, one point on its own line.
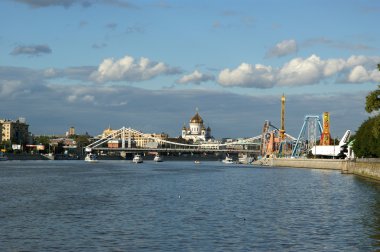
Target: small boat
91 158
197 162
157 158
245 159
49 156
228 160
3 157
137 159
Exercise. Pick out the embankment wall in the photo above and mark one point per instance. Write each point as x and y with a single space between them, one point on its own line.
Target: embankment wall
369 168
333 164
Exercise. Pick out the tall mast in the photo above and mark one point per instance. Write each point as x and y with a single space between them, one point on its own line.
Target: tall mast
282 130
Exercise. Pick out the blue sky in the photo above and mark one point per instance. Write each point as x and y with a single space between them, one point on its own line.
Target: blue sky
150 64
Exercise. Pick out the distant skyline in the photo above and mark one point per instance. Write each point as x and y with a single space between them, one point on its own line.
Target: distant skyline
150 64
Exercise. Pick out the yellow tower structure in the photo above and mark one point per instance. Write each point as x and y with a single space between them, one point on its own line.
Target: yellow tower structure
325 136
282 130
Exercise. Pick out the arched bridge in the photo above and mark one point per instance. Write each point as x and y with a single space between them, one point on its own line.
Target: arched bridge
129 140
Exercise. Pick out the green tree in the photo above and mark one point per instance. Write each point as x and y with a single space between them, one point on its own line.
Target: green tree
59 148
6 145
44 140
373 101
366 143
82 141
367 139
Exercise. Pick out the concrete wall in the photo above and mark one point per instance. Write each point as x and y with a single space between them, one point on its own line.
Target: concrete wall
333 164
369 168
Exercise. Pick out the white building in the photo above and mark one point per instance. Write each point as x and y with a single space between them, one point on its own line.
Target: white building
196 130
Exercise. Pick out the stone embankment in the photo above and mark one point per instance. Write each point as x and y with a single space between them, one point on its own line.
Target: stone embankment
369 168
23 156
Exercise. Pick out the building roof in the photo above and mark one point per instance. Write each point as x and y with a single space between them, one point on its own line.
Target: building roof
196 119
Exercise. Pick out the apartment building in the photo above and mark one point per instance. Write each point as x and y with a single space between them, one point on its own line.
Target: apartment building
14 131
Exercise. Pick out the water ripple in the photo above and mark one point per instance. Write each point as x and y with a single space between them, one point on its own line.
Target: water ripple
179 206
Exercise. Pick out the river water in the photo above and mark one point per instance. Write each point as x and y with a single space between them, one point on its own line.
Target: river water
182 206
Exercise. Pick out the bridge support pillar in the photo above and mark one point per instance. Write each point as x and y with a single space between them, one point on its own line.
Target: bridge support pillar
123 138
129 138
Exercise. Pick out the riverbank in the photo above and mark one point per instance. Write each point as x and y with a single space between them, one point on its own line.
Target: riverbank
25 156
368 168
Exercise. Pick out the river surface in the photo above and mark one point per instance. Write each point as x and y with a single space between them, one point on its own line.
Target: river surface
182 206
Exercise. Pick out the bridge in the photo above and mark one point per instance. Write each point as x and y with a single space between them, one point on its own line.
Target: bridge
128 140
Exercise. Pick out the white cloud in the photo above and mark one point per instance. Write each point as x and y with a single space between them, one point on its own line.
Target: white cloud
283 48
129 69
50 73
88 98
300 71
195 77
333 66
303 71
71 98
245 75
359 75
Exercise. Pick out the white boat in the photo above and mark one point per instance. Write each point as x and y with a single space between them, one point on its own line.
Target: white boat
91 158
49 156
197 162
137 159
157 158
3 157
244 159
228 160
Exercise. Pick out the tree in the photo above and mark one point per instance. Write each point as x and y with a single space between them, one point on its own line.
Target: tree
373 101
82 141
44 140
6 145
367 139
366 144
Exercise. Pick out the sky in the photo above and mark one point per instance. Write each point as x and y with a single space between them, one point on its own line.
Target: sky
151 65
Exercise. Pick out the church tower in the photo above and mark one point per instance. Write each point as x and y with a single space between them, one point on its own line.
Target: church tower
196 131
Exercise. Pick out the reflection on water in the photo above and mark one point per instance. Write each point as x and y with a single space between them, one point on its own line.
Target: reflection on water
179 206
371 208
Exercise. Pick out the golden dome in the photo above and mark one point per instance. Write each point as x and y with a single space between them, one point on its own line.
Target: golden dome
108 131
196 119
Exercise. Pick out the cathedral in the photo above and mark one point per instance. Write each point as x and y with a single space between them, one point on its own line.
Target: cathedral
196 130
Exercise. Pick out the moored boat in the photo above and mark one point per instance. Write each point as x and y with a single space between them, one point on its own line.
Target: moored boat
228 160
137 159
49 156
91 158
157 158
245 159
